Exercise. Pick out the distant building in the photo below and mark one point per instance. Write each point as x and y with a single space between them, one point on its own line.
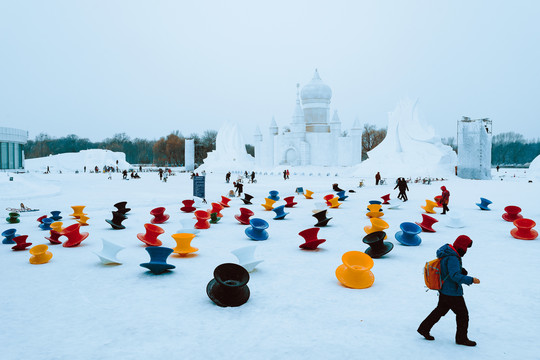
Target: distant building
474 148
12 148
312 138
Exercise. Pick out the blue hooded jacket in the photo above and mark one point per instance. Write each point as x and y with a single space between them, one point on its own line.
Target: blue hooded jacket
451 272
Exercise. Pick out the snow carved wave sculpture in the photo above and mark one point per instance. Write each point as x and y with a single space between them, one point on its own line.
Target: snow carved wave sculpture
410 148
534 168
230 153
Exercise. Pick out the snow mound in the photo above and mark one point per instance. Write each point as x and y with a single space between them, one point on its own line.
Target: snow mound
71 162
230 153
534 167
410 148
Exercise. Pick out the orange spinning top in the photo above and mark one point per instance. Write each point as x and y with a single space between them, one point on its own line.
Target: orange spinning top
355 271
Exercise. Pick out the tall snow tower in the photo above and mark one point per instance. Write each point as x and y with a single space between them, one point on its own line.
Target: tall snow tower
474 149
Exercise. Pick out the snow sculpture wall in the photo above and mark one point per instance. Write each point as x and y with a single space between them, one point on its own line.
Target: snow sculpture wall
230 150
474 149
189 154
410 148
71 162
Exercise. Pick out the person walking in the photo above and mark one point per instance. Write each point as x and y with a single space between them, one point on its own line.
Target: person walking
284 174
453 275
239 188
252 176
445 198
228 177
160 174
402 185
377 178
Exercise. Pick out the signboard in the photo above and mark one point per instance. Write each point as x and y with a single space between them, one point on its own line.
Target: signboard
198 186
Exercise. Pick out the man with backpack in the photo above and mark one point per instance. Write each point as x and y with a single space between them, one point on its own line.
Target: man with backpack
452 276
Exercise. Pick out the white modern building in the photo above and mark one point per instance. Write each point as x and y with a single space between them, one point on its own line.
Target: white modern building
474 149
312 138
12 148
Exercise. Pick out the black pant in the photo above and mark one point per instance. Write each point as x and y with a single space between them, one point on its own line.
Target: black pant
445 208
457 305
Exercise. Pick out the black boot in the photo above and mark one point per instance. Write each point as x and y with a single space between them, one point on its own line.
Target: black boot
466 342
425 334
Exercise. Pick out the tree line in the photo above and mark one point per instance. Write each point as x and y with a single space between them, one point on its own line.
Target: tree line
508 149
166 151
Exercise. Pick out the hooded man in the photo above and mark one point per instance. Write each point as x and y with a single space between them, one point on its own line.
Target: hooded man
445 198
453 275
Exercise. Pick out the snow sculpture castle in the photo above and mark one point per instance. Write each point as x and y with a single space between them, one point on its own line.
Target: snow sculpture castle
311 139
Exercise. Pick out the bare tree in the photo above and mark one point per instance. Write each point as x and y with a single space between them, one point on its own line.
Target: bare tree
371 137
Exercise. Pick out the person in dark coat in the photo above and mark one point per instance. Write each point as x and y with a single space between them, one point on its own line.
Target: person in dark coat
453 275
377 178
402 185
445 198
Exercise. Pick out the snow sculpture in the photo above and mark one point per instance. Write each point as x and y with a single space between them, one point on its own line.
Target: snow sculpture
410 148
230 150
189 154
474 149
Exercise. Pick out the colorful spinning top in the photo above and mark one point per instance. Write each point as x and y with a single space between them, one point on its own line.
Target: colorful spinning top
107 255
56 215
158 259
247 199
74 236
427 223
21 242
121 207
355 272
229 285
116 221
8 235
377 247
484 204
311 242
150 238
244 216
224 201
274 195
290 201
13 218
246 257
40 255
280 213
322 220
512 213
257 230
429 207
202 219
524 229
78 211
269 204
188 206
159 215
308 194
409 234
183 244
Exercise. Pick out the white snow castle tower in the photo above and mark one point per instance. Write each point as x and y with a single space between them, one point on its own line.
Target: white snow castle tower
311 138
474 149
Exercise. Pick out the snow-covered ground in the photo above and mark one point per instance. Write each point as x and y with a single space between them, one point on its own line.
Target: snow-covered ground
76 308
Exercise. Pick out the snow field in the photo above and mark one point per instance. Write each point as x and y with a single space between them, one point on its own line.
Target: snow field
76 308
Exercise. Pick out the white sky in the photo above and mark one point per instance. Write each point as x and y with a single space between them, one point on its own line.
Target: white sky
146 68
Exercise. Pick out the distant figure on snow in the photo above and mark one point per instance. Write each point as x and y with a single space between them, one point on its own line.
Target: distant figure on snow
445 198
377 178
160 174
228 177
402 185
451 293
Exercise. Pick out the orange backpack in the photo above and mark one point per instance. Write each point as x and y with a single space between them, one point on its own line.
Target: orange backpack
432 274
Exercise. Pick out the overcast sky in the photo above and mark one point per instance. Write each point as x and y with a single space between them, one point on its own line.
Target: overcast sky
99 67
